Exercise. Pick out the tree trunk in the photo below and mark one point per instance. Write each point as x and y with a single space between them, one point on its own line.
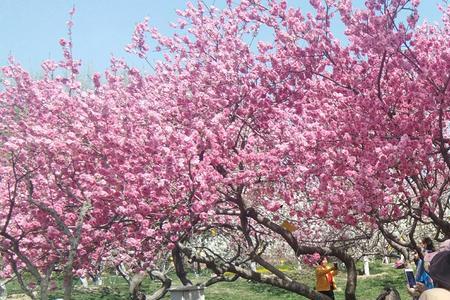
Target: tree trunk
350 288
84 282
43 286
179 267
3 292
67 283
166 282
135 283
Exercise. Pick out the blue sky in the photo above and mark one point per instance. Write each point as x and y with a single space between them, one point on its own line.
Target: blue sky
30 29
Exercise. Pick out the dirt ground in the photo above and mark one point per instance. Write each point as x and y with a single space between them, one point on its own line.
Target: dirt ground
18 297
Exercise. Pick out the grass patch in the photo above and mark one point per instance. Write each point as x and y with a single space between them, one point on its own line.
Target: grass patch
115 288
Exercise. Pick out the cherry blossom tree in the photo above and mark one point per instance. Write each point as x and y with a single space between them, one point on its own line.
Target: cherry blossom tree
240 139
73 170
377 112
381 146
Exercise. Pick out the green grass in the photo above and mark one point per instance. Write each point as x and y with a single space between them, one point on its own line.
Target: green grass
115 288
381 276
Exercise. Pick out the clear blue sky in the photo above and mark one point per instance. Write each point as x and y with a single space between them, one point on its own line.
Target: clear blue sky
30 29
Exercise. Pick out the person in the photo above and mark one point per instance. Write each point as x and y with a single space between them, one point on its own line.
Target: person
325 283
437 265
389 293
423 279
400 262
422 276
427 245
439 271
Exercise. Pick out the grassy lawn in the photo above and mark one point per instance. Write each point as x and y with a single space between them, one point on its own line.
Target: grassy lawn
115 288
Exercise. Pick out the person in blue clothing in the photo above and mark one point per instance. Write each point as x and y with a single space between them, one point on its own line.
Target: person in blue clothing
423 279
422 275
437 265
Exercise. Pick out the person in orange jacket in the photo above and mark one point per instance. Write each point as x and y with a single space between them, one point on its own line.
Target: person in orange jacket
325 277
